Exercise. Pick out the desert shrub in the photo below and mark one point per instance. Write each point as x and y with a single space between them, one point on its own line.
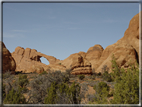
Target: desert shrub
23 80
58 76
74 92
115 68
111 93
7 74
84 86
51 97
63 94
106 76
99 74
14 97
43 73
102 92
8 83
81 77
90 97
105 68
38 89
127 87
92 77
92 83
40 84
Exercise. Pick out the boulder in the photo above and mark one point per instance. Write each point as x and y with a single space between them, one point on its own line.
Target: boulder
8 63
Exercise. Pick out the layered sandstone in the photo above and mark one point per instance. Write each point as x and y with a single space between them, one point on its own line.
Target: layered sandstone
78 63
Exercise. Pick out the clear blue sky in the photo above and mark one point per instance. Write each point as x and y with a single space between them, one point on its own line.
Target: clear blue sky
61 29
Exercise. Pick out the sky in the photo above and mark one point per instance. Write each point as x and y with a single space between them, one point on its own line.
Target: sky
61 29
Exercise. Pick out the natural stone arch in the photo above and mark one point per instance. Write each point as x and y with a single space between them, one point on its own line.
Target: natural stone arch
44 60
51 59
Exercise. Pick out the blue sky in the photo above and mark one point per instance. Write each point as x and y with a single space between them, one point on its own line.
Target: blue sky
61 29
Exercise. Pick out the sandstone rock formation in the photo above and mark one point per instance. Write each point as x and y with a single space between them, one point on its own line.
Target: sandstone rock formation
78 63
8 62
28 60
93 55
125 50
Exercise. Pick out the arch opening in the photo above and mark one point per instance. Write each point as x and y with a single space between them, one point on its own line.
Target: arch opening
44 61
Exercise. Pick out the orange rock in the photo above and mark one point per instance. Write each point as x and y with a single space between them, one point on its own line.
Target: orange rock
125 50
8 62
28 60
78 63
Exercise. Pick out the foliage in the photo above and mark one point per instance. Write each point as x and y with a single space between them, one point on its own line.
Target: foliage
40 84
98 74
63 94
106 76
81 77
115 68
127 87
105 68
14 97
102 92
51 98
23 81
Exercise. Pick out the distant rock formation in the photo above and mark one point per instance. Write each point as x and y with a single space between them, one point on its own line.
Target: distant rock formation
28 60
125 50
8 63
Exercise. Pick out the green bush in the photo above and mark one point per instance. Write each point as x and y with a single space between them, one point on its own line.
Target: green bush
63 94
102 92
14 97
127 87
127 84
23 81
52 96
106 76
115 68
99 74
81 77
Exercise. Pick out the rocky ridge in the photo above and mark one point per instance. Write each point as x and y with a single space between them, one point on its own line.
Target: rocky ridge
125 50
